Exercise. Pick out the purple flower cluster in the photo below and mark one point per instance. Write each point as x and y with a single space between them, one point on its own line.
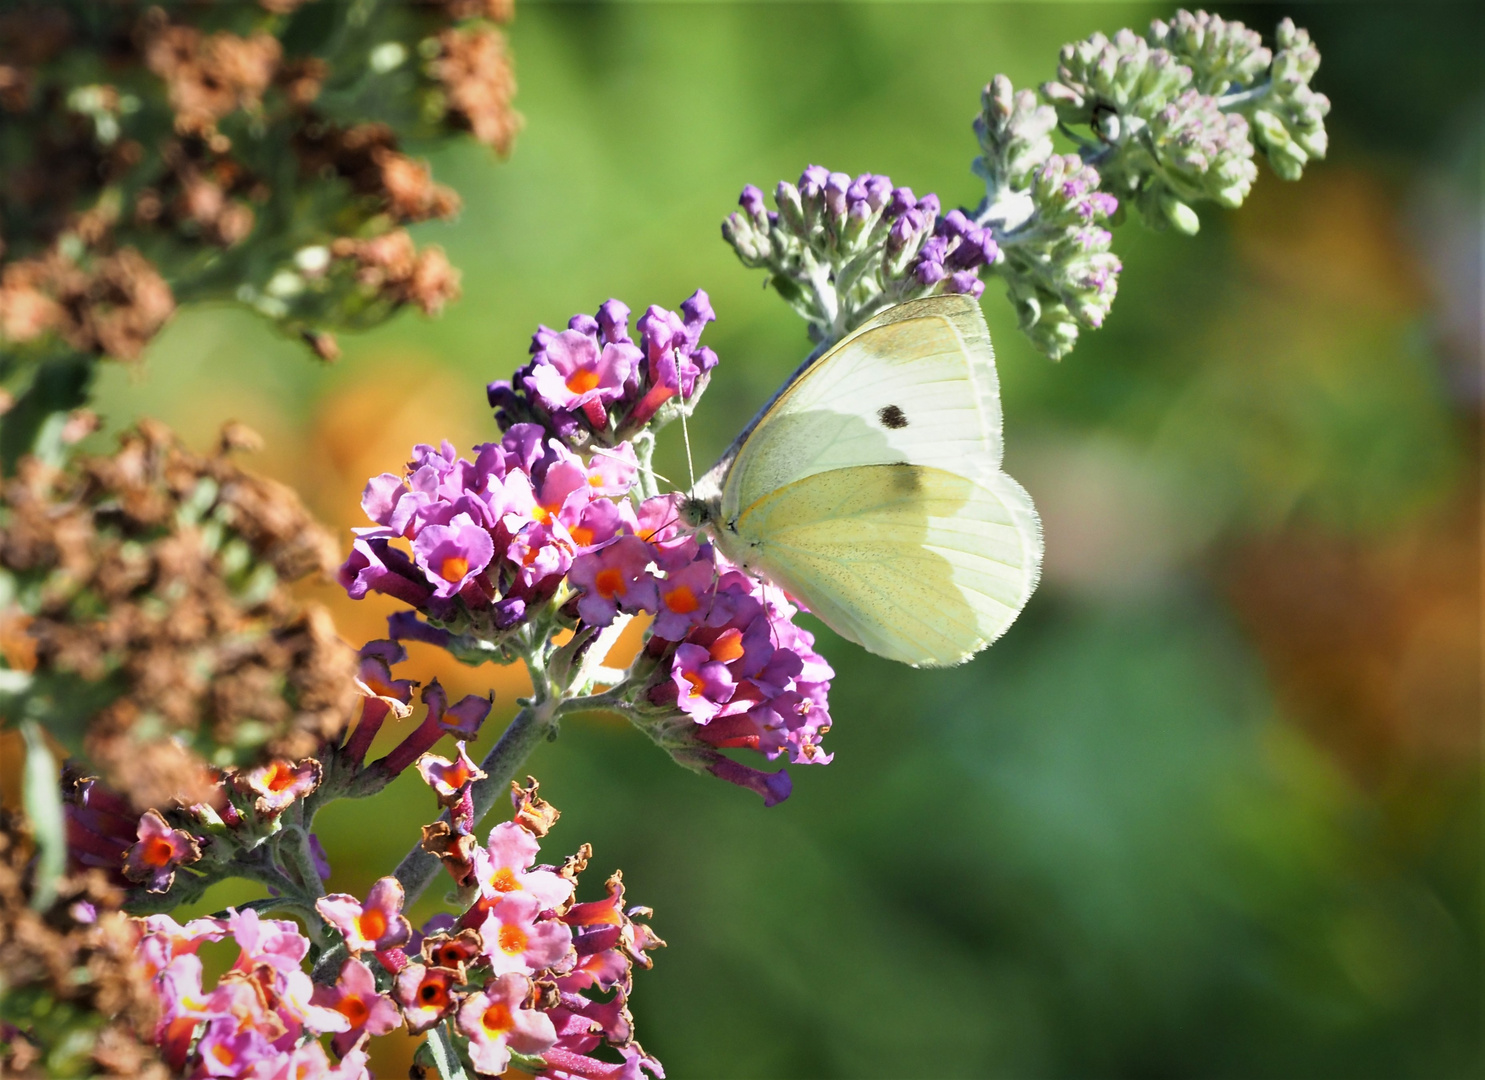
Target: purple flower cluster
730 667
593 382
841 248
955 251
480 547
487 541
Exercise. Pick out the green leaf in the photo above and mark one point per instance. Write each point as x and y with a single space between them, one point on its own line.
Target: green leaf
43 802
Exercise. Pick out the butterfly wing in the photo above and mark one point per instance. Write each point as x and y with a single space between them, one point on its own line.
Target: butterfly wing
916 383
912 562
872 490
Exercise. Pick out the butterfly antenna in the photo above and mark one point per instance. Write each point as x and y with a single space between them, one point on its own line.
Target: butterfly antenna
615 454
658 529
691 468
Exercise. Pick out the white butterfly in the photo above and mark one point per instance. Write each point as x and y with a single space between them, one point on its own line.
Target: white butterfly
870 489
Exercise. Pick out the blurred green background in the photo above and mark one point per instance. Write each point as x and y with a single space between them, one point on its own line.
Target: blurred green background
1211 808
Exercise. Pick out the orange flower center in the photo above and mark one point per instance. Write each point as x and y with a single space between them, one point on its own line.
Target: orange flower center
453 568
610 583
543 514
583 535
449 955
280 776
505 880
496 1019
372 924
380 687
433 993
224 1053
582 380
157 851
698 684
513 939
728 647
682 600
353 1009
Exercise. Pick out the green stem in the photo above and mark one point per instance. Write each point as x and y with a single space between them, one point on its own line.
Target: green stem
644 452
531 726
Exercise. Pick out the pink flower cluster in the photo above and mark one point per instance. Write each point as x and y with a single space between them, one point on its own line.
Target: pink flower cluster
525 975
264 1017
523 971
593 383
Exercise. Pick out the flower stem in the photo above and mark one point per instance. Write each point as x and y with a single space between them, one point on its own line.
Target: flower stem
531 725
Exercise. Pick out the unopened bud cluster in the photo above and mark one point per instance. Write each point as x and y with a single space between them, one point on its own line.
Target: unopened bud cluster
1162 122
840 249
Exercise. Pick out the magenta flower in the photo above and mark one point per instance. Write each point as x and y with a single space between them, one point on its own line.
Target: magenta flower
384 694
275 942
160 849
612 578
517 940
376 925
684 598
573 373
355 997
601 521
165 939
229 1049
462 718
452 555
612 471
449 778
676 362
375 680
497 1022
703 685
745 678
278 783
375 566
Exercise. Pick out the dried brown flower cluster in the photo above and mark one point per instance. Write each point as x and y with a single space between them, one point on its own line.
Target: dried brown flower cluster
79 999
159 577
144 139
476 72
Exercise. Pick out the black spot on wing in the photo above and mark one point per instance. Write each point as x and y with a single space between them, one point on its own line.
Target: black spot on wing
892 417
906 478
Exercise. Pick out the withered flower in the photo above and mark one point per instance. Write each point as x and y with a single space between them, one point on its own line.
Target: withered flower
156 588
64 968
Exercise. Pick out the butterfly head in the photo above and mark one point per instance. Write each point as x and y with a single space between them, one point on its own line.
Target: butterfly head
699 513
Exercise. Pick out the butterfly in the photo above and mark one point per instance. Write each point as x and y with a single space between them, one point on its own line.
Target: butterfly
870 489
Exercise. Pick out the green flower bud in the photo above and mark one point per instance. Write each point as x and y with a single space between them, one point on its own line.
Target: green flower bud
1015 134
1221 54
1180 216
